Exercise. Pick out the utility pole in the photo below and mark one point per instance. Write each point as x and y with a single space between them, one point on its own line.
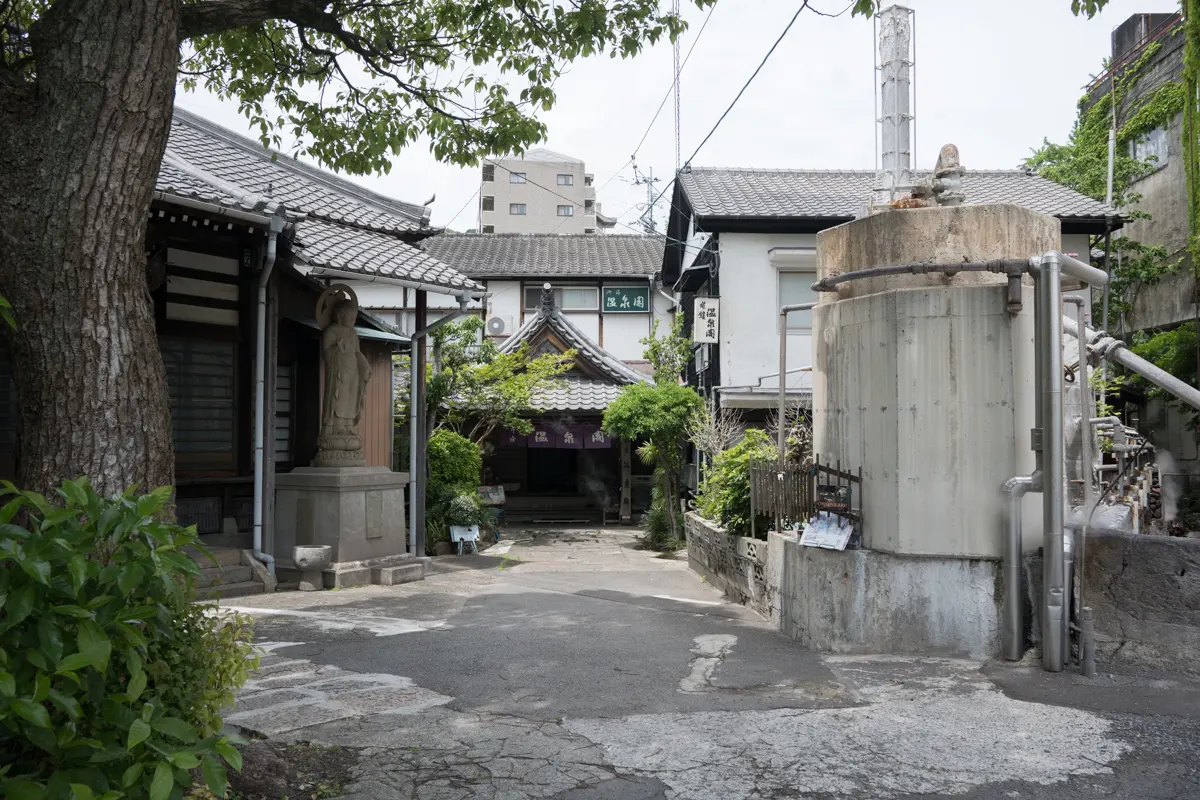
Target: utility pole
647 218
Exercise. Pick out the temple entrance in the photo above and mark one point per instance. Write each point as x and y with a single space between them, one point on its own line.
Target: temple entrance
553 472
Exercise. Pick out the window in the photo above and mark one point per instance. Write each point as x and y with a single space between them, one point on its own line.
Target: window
1150 147
516 177
566 211
568 298
489 228
566 180
589 206
517 209
489 203
200 381
283 413
489 173
587 180
589 230
796 287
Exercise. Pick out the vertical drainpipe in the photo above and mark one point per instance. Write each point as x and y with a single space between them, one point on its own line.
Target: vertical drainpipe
1053 646
260 388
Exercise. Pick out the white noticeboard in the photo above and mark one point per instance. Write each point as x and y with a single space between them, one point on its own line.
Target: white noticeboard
706 322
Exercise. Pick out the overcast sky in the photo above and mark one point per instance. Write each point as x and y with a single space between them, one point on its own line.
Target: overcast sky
992 76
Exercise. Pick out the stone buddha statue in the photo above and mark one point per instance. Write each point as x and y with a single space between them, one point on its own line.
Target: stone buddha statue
346 375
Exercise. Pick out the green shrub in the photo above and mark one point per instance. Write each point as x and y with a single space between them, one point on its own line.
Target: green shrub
454 461
724 496
94 594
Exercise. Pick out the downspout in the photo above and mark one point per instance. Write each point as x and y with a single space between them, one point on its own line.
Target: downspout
1054 606
1013 641
260 388
781 437
1087 644
416 481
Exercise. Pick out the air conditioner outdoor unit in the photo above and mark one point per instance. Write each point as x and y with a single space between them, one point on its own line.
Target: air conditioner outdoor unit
499 326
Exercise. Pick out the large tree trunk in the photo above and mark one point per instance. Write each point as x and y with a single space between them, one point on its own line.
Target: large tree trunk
79 151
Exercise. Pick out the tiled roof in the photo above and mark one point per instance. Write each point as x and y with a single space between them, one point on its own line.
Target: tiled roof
576 393
341 226
349 249
841 194
546 255
248 164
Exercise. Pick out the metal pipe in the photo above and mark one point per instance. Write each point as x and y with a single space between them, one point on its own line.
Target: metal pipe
1078 269
781 437
275 227
1013 641
1050 274
1118 352
416 481
1006 266
1039 356
1085 443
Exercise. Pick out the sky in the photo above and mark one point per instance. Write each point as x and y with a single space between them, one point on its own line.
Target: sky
992 76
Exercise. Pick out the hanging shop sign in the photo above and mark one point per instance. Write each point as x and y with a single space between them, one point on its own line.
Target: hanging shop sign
626 299
560 437
706 321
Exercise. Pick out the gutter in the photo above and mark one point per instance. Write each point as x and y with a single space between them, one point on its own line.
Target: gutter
276 224
461 294
213 209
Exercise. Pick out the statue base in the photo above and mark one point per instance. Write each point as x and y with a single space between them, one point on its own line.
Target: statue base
357 511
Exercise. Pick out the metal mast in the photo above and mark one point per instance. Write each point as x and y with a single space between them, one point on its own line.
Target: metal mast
646 220
675 11
895 87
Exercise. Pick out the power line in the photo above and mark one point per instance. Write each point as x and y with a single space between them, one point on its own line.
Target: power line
464 207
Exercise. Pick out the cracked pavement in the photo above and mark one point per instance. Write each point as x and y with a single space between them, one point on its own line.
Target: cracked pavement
571 665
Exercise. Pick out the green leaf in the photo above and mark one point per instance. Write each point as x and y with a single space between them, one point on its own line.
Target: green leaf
94 643
18 606
164 781
37 569
41 687
129 578
215 777
23 790
176 728
73 611
132 774
230 754
33 713
139 732
8 686
185 760
77 566
74 662
82 792
50 637
67 703
147 712
137 685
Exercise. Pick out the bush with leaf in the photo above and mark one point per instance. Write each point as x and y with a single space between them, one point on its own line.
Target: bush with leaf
111 681
455 464
724 495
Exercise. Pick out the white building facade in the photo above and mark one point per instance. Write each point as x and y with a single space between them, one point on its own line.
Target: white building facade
541 192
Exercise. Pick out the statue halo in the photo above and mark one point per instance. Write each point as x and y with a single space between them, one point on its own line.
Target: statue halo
330 300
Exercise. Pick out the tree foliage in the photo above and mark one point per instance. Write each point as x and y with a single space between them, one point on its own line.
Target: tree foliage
473 388
668 354
111 682
725 492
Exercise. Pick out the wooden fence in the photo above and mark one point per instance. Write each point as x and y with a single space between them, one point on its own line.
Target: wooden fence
795 492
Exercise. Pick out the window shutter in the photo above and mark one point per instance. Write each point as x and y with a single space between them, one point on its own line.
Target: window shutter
200 382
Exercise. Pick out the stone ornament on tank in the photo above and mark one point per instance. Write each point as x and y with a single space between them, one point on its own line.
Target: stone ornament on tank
346 375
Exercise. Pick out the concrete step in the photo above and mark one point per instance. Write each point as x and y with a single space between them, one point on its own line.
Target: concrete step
230 590
402 573
225 556
218 575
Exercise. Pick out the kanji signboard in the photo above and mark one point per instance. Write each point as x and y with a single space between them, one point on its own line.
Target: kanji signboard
626 299
706 322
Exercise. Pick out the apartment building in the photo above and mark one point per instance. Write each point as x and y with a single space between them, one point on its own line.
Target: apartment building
542 192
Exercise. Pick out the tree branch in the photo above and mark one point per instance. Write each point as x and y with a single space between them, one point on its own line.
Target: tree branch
217 16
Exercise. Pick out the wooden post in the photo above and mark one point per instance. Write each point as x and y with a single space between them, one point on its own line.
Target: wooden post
626 483
272 378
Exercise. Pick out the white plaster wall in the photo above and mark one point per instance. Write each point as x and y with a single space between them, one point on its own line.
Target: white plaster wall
750 311
623 334
505 301
586 321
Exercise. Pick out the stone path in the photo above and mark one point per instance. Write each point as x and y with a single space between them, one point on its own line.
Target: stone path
573 665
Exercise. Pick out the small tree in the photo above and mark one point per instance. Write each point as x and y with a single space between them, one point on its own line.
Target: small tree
713 430
668 354
659 414
473 388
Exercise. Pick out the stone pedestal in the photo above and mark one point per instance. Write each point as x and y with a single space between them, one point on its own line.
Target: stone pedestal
357 511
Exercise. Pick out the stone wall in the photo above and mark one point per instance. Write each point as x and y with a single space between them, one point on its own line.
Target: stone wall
862 601
1145 597
736 565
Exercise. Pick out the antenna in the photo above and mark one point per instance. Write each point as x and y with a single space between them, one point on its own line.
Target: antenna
646 220
675 11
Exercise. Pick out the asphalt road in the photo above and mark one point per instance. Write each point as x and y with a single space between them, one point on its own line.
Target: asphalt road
570 664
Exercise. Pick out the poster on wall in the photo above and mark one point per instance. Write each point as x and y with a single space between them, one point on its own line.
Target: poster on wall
706 321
